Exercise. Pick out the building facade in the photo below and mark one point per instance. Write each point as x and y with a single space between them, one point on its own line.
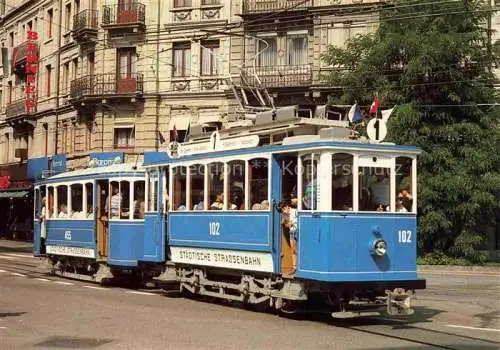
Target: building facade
120 75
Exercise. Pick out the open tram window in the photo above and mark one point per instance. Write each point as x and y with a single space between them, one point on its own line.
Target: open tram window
125 200
342 179
62 201
404 185
179 188
310 163
374 189
289 179
215 174
50 203
139 199
89 193
76 201
259 180
197 185
153 191
236 180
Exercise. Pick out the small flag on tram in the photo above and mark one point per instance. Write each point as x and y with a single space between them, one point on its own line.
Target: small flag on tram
375 105
386 113
354 114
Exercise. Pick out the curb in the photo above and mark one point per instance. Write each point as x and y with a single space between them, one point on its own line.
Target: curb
480 270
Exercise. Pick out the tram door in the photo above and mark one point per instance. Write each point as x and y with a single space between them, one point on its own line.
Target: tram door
39 221
288 193
102 219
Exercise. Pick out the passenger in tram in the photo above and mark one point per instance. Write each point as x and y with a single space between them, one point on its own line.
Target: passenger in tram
63 211
139 204
399 206
200 205
310 193
43 225
218 204
289 222
116 201
90 212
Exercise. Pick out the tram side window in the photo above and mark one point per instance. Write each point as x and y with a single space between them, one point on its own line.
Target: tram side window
404 185
125 200
215 174
236 179
179 188
310 191
153 191
342 179
50 203
374 189
139 187
89 188
197 185
114 202
259 189
38 202
62 201
76 201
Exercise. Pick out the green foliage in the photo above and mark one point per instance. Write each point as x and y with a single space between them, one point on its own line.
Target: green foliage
439 258
434 61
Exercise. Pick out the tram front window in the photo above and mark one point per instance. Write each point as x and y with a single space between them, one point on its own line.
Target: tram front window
404 185
76 200
342 179
62 201
310 164
374 189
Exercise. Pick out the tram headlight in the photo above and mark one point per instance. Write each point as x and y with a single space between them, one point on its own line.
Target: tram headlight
379 247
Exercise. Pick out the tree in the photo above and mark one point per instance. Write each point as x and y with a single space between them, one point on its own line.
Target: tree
434 61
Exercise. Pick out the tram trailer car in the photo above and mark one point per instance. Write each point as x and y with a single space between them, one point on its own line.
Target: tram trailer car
222 233
93 222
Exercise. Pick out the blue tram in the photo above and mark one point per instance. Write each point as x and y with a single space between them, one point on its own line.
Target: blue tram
216 204
211 220
89 223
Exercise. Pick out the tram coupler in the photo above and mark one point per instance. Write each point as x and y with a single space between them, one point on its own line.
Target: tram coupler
399 302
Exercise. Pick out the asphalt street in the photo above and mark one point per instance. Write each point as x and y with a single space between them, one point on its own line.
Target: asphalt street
44 312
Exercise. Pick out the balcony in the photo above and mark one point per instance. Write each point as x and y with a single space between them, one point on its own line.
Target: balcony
19 55
85 26
16 114
113 87
279 76
263 6
125 17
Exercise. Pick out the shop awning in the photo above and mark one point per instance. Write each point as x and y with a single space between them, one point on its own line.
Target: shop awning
13 194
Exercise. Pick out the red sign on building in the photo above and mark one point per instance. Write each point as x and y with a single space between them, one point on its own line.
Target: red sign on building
31 70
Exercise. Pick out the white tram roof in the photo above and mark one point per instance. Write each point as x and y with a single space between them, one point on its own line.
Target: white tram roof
111 171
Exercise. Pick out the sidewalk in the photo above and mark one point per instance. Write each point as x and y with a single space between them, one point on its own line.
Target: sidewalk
454 269
7 245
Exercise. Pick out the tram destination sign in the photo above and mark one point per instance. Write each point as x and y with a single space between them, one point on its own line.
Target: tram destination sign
176 150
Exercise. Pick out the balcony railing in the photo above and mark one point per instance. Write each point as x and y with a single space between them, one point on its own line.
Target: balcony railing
15 109
124 14
260 6
279 76
106 85
85 20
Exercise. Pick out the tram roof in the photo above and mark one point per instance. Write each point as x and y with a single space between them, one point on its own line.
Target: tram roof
159 158
107 172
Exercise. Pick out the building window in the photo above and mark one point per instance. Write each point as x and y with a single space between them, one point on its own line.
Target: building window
50 19
7 148
66 78
48 73
67 18
90 63
210 2
182 3
127 58
297 50
124 137
11 39
75 68
9 87
209 57
267 49
182 59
